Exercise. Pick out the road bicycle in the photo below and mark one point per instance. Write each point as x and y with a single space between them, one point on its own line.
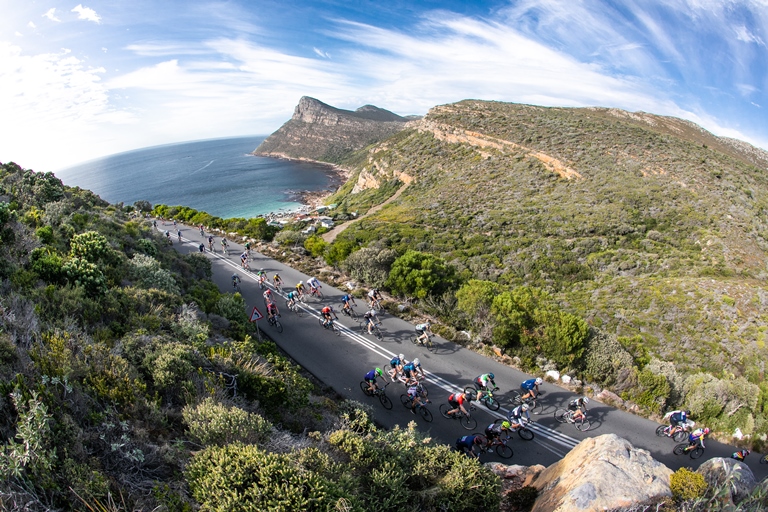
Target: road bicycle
498 444
695 450
407 402
350 312
279 286
262 282
429 344
211 247
274 322
468 422
379 392
486 397
534 404
236 286
566 416
375 304
374 330
679 434
315 292
293 306
330 324
525 433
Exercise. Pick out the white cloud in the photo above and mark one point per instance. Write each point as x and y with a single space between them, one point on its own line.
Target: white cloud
51 14
744 35
86 13
31 25
321 53
18 34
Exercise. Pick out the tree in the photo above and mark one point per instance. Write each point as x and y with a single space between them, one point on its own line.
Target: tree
370 265
418 274
143 206
315 245
338 251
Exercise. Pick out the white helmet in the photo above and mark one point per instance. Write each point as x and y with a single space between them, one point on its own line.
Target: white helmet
401 357
524 407
539 380
301 282
417 362
585 400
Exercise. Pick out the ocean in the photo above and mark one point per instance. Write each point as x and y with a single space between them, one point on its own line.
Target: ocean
218 176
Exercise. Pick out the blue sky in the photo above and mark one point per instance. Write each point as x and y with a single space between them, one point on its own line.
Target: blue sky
82 80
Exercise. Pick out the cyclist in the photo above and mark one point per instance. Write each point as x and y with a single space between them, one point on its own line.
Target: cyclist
210 243
494 430
370 319
327 313
292 297
224 245
262 276
528 387
740 455
424 332
396 365
154 224
235 280
696 438
481 384
677 420
346 299
202 231
314 285
466 444
415 392
174 224
411 369
178 233
248 248
244 259
267 296
272 310
370 378
578 406
201 247
457 401
515 416
300 288
277 280
373 295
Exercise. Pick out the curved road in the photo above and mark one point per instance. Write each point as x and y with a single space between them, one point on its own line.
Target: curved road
341 362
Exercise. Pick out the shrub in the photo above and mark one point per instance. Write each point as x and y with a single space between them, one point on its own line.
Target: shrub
81 272
212 423
522 499
418 274
315 245
92 247
605 357
48 265
148 273
147 247
687 485
288 237
370 265
232 307
338 251
45 234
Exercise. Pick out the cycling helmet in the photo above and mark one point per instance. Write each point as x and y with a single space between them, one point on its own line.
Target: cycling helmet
706 430
416 362
746 452
401 357
480 440
687 413
539 380
301 282
505 424
491 376
524 407
585 400
379 372
268 292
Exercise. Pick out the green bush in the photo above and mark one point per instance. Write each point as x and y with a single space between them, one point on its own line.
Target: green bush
148 273
418 274
315 245
81 272
45 234
232 307
687 485
522 499
605 358
147 247
212 423
370 265
92 247
48 265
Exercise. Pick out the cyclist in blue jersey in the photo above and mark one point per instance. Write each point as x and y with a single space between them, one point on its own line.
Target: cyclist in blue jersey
370 378
411 369
467 444
292 297
348 301
396 366
529 386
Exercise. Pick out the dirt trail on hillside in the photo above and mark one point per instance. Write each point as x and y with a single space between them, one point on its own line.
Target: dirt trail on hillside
332 234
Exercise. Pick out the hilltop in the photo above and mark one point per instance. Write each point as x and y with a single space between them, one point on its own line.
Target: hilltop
324 133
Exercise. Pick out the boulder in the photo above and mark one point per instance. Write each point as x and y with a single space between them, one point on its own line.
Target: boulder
553 374
566 379
740 479
601 473
515 476
607 397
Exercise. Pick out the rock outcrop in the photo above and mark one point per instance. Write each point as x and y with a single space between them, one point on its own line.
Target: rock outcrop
324 133
717 471
601 473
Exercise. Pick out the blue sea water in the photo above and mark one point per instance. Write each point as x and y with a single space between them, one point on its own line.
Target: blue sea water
218 176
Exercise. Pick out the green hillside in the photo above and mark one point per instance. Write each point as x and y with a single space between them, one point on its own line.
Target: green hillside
650 229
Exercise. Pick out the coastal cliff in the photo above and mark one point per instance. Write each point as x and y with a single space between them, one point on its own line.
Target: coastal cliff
323 133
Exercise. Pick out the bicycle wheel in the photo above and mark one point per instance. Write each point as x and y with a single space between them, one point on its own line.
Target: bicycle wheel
444 408
515 400
321 321
660 430
471 391
352 314
279 288
680 449
424 392
535 407
680 436
525 433
764 459
319 294
414 340
385 401
468 422
697 452
364 387
405 400
278 326
336 328
492 404
582 424
504 451
377 305
425 414
432 347
561 415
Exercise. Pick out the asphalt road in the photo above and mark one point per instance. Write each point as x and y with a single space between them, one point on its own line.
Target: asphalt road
342 361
